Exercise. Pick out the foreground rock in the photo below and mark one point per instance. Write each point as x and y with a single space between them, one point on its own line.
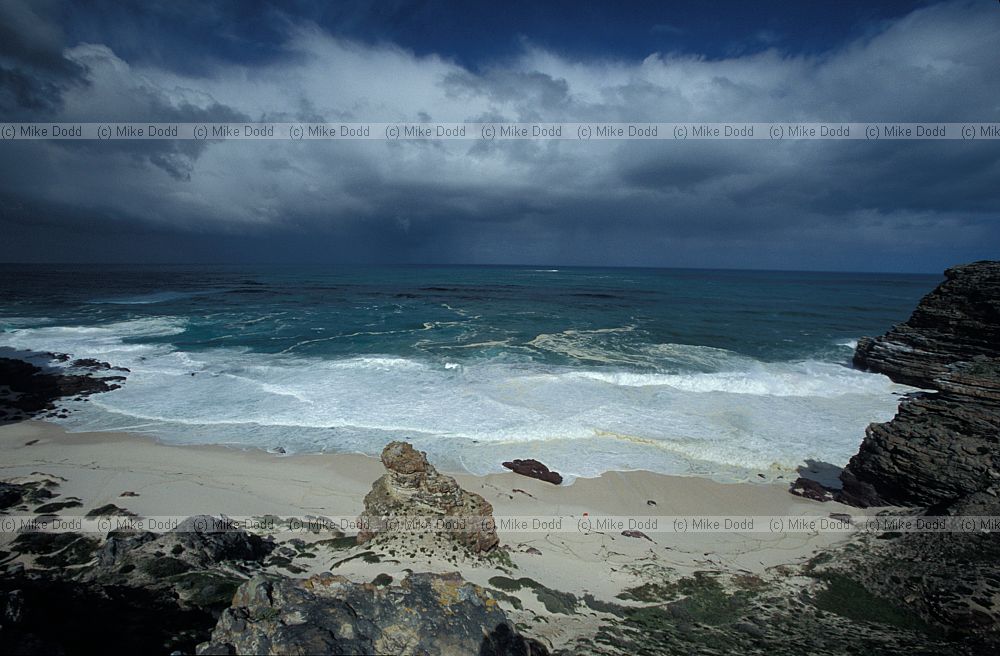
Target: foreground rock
534 469
138 592
327 614
413 490
949 578
944 445
186 559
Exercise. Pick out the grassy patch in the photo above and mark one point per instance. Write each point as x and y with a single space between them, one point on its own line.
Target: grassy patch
345 542
699 598
670 590
43 543
367 556
56 506
649 593
109 510
207 589
506 598
604 606
749 582
501 558
846 597
285 564
164 567
821 558
555 601
382 580
711 606
78 552
505 583
650 618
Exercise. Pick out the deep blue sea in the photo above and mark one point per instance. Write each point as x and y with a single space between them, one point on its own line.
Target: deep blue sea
719 373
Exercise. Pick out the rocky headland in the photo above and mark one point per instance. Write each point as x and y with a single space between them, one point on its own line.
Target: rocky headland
942 445
938 458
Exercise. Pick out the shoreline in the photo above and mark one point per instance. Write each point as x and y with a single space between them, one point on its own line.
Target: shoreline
175 480
40 432
558 585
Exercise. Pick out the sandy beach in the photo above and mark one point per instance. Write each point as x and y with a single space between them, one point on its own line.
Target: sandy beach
184 480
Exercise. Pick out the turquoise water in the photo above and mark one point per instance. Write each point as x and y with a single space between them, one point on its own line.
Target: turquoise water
721 373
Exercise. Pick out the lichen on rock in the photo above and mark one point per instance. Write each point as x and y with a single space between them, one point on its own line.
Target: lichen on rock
327 614
412 494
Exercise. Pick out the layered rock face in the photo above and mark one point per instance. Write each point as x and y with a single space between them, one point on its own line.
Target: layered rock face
327 614
945 445
412 489
957 322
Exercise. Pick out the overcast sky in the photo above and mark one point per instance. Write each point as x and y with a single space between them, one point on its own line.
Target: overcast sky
851 205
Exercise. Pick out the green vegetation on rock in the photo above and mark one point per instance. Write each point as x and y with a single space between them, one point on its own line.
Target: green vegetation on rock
846 597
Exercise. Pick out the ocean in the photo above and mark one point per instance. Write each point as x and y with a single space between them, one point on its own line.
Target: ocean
735 375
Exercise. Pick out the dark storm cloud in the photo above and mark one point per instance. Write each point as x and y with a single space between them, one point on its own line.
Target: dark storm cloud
33 71
793 204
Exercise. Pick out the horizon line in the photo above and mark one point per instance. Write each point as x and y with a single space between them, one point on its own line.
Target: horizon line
481 265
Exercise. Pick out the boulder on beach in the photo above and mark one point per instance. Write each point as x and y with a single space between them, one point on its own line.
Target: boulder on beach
534 469
412 488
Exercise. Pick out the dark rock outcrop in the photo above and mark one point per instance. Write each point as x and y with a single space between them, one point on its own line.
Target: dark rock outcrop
412 489
957 322
938 448
327 614
949 577
10 494
95 365
44 615
139 591
33 391
534 469
942 445
810 489
196 547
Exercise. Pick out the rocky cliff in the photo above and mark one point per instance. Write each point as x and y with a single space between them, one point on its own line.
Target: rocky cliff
957 322
944 444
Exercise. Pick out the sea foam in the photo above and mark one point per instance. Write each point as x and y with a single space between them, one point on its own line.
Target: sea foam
584 420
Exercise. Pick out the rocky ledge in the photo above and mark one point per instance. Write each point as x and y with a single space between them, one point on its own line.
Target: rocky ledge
957 322
944 444
328 614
